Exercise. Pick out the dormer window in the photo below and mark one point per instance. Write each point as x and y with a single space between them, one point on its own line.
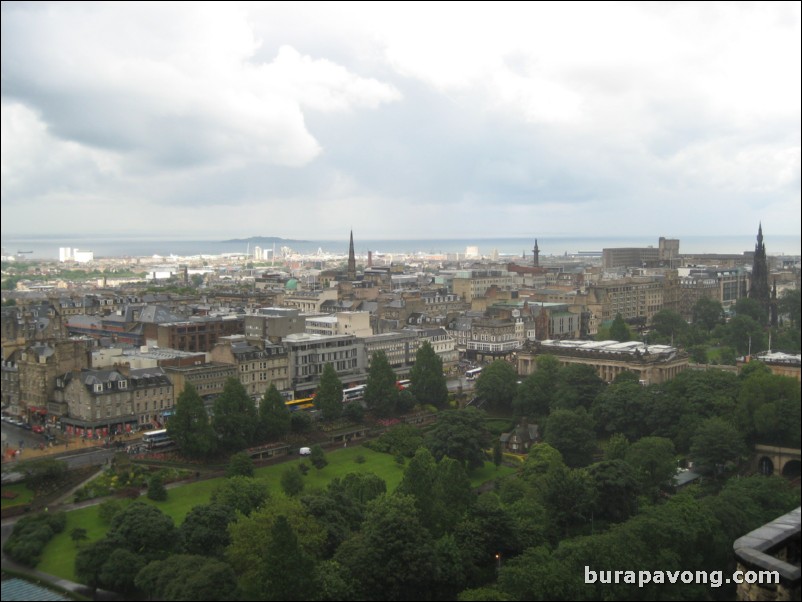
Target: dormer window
123 384
98 388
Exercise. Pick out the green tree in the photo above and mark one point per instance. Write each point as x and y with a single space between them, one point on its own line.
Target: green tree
715 443
329 397
441 490
460 434
752 308
274 417
78 534
90 559
256 539
569 495
578 385
533 396
540 461
109 509
189 427
318 457
46 472
454 493
286 568
621 408
668 325
392 558
242 494
300 422
404 439
120 569
789 305
498 455
571 433
292 482
616 488
354 412
156 490
745 335
619 331
188 577
428 383
204 531
616 448
234 418
497 384
240 464
419 482
381 393
487 530
144 529
654 463
707 313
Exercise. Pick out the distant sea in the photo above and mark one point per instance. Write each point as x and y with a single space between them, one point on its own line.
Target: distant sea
48 248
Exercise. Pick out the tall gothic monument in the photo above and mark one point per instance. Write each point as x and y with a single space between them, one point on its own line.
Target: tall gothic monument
759 288
351 259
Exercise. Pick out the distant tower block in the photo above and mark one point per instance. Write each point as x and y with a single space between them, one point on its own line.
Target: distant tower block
351 259
536 253
370 259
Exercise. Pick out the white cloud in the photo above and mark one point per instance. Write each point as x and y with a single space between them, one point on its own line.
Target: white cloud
174 86
405 119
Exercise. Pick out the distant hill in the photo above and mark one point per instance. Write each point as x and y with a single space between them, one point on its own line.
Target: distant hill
263 239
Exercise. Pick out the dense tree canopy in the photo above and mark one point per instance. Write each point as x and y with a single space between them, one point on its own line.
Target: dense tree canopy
668 326
461 435
241 494
619 331
234 418
707 313
715 443
392 558
329 396
533 396
381 393
572 434
274 417
189 426
204 531
428 382
497 385
578 385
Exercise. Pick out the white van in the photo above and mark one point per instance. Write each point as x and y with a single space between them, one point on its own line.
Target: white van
305 451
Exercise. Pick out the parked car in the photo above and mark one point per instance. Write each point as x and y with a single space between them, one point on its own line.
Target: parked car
305 451
38 428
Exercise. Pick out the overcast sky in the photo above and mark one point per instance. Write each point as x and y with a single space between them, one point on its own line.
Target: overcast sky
455 120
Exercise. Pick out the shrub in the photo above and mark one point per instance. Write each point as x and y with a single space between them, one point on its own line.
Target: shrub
156 490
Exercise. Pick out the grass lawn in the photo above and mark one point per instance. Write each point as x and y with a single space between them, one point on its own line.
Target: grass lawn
24 495
341 462
59 555
490 472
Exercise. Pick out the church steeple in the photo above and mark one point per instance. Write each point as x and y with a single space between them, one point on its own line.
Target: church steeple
351 259
536 253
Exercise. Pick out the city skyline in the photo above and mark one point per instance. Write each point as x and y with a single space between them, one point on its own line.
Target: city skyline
400 121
